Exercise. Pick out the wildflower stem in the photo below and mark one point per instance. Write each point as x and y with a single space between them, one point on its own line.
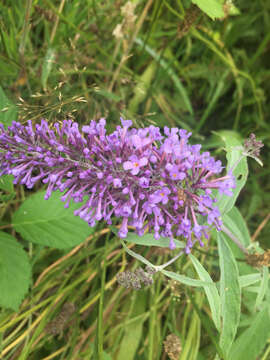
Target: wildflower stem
61 6
161 267
234 239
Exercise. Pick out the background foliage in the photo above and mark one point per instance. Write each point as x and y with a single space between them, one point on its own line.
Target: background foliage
177 63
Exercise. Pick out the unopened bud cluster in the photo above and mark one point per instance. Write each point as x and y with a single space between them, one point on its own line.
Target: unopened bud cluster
129 279
252 146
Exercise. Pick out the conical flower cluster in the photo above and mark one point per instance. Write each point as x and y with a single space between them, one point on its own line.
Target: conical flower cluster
151 179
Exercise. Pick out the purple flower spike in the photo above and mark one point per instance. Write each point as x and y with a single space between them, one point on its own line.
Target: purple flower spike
134 164
147 180
160 196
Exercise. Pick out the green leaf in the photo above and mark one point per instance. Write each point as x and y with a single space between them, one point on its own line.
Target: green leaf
48 222
210 291
186 280
136 256
233 10
233 146
6 183
8 111
252 341
213 8
263 288
47 67
141 89
250 279
149 240
230 295
15 272
235 222
181 278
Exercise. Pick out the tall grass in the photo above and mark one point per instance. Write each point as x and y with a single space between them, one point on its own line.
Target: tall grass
168 64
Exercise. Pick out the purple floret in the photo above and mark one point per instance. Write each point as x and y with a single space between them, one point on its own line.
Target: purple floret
153 182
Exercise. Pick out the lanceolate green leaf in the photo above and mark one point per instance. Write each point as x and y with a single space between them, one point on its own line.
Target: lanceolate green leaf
233 146
181 278
213 8
234 221
149 240
230 295
210 291
15 272
48 222
136 256
263 287
250 279
252 341
47 66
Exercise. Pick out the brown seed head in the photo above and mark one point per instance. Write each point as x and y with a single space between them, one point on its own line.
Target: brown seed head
172 346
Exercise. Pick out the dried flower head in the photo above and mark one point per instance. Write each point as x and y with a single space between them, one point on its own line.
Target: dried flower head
172 346
128 12
57 325
153 181
118 32
252 148
259 260
130 279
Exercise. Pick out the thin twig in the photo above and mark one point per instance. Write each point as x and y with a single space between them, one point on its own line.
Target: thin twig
260 227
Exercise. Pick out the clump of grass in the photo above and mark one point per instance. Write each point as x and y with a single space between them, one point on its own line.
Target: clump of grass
154 63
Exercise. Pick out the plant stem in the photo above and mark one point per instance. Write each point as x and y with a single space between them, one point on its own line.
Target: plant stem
161 267
61 6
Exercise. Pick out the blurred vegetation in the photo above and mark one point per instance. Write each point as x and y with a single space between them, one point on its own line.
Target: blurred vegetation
156 62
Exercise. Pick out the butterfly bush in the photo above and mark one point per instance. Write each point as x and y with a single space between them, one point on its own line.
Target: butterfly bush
150 179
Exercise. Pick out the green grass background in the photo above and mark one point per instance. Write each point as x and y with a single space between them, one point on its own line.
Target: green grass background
168 64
